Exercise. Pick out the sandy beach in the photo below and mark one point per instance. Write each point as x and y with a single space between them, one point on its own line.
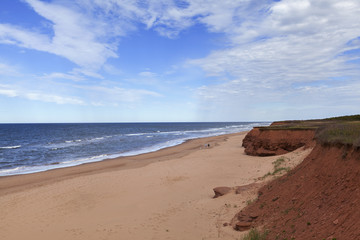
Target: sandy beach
161 195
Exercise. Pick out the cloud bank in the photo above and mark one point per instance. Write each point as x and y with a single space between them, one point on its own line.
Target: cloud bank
275 54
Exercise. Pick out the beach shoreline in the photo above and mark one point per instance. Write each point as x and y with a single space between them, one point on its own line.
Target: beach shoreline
19 182
31 148
166 194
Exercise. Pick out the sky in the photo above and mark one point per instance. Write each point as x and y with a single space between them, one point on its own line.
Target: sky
178 60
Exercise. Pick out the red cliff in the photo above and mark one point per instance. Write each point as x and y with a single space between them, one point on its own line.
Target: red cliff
319 199
261 142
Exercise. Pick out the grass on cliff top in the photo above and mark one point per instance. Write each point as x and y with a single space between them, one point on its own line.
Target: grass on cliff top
345 118
337 130
346 133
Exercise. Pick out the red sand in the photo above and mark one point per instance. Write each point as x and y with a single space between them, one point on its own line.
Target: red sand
319 199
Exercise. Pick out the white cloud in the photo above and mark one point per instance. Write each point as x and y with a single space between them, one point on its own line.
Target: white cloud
10 34
235 101
112 70
281 60
295 43
51 88
275 50
76 36
114 95
169 17
57 75
39 96
147 74
16 91
8 92
87 32
8 70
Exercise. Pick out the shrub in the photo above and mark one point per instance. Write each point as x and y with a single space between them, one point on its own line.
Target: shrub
255 234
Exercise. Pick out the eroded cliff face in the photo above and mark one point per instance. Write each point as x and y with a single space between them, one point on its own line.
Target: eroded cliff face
259 142
319 199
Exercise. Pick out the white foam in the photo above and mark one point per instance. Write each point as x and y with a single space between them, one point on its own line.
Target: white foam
71 143
34 169
11 147
70 163
193 134
5 171
85 160
154 148
135 134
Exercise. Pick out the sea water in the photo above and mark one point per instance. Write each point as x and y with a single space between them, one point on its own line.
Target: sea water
29 148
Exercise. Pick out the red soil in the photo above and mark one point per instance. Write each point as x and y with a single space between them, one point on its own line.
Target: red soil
319 199
260 142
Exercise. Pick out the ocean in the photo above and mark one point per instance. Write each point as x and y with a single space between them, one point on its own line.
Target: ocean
29 148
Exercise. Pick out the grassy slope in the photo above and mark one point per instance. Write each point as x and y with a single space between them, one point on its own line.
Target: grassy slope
338 130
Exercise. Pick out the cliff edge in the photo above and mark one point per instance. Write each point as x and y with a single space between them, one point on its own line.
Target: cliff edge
270 142
320 198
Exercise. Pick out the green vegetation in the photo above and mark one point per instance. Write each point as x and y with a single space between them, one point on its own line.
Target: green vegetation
347 133
278 162
277 167
344 130
290 127
250 201
229 205
255 234
345 118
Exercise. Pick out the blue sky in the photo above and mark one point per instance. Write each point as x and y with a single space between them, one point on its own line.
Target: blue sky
184 60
